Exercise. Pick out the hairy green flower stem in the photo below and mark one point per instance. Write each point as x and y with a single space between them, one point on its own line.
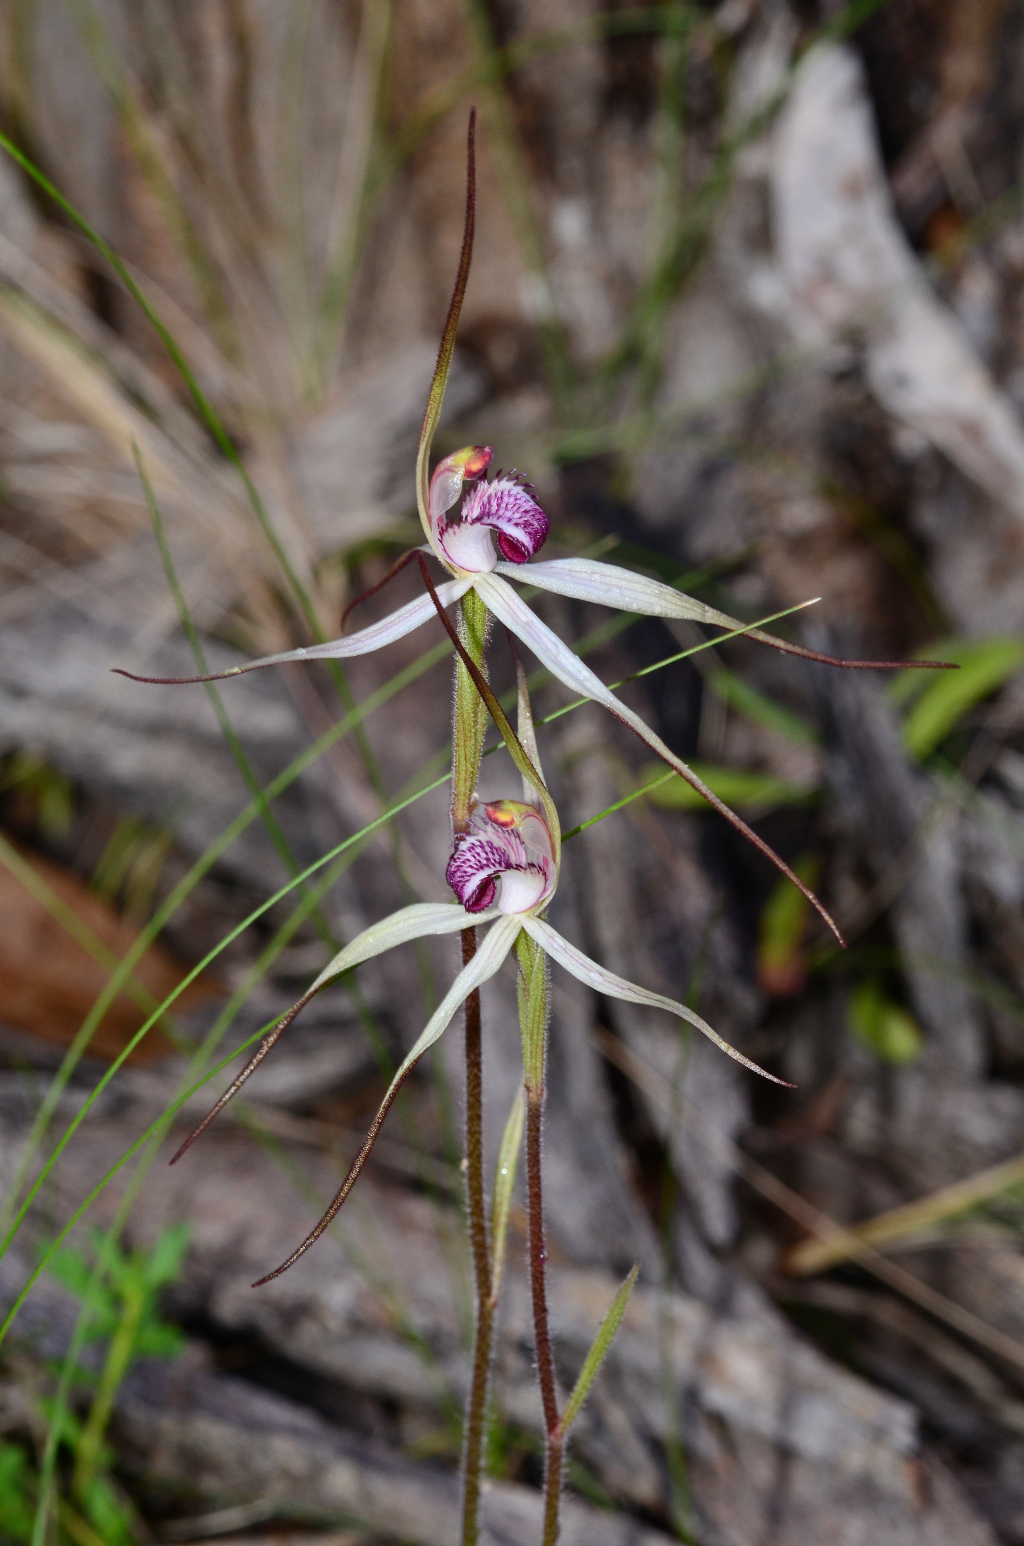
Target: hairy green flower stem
470 723
533 1022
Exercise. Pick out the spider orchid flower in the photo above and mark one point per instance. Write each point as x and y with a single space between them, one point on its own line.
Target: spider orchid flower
504 510
504 871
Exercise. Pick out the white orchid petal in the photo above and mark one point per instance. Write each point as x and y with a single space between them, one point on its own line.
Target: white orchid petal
510 609
519 890
488 958
527 734
468 547
603 981
395 626
445 488
585 579
414 922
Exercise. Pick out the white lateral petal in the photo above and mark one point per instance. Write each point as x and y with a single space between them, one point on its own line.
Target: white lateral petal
489 957
414 922
511 610
586 579
485 963
603 981
527 734
395 626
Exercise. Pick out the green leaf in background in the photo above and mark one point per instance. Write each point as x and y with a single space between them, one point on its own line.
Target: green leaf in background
163 1264
736 786
17 1503
762 710
781 957
883 1026
939 701
108 1513
599 1351
504 1183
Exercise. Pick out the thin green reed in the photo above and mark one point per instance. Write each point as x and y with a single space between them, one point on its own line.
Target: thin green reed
202 867
172 998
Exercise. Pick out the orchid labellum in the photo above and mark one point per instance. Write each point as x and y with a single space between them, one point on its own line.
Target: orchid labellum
504 870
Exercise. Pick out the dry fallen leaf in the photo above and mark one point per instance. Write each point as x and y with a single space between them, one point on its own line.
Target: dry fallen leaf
49 982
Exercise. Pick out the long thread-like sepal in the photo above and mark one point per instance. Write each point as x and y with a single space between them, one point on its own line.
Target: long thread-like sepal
435 397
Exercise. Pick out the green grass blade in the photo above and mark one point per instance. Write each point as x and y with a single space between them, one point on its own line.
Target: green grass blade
984 666
504 1184
598 1352
628 799
762 710
172 997
227 730
202 403
736 786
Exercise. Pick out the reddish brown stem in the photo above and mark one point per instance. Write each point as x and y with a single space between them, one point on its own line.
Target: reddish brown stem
538 1260
184 681
553 1462
476 1409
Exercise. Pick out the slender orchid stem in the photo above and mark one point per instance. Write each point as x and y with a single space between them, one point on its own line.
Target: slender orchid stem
475 1427
553 1439
533 1020
470 718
